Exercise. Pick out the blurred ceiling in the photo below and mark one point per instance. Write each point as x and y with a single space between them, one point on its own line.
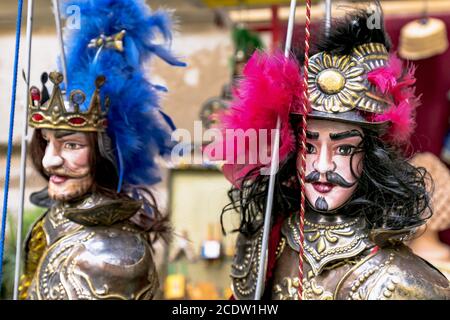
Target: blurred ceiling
190 13
195 15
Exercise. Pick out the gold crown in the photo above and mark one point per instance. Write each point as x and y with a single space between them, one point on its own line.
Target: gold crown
53 114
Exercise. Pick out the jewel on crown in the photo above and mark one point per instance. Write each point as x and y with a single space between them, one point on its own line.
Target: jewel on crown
55 113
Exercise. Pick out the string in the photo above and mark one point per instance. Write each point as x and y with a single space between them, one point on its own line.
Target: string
11 134
305 104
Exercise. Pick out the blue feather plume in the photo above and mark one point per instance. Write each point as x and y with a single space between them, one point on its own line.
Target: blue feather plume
135 122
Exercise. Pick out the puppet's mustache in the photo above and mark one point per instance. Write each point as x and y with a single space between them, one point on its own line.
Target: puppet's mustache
332 177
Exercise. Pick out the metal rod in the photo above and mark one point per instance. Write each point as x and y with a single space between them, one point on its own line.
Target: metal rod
275 27
328 9
61 41
273 171
12 113
23 155
290 30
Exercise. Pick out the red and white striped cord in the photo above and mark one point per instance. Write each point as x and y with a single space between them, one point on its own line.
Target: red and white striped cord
305 104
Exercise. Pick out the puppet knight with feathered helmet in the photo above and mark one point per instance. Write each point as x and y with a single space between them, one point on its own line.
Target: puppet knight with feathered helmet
363 199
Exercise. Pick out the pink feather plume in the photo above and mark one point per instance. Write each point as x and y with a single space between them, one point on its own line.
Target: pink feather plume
397 83
271 87
385 78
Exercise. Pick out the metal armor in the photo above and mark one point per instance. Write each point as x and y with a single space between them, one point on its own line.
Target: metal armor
89 250
341 261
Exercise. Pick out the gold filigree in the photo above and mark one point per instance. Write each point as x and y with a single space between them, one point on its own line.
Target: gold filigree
327 243
280 247
36 248
105 262
325 235
360 292
57 218
245 274
71 270
288 290
49 284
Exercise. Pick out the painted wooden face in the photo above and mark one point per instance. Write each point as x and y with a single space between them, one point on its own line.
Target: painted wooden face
334 163
67 163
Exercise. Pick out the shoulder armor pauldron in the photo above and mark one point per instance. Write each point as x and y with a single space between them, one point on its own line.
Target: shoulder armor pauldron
244 270
394 273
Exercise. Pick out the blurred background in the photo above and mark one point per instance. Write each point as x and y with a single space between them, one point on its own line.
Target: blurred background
215 38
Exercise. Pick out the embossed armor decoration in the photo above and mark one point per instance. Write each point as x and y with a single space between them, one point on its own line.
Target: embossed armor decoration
96 142
363 198
89 249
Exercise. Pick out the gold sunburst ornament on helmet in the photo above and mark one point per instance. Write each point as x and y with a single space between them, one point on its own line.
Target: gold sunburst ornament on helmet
338 83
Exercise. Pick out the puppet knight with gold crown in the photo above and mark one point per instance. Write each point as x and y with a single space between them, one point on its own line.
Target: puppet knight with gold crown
95 141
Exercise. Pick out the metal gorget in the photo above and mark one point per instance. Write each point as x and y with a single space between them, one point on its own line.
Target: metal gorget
340 263
98 210
328 238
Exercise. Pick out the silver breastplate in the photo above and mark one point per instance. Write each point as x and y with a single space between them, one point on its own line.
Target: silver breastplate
93 252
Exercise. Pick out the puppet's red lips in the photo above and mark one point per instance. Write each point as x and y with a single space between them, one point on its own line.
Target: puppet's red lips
323 187
58 179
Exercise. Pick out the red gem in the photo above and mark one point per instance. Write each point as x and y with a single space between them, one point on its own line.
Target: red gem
35 94
77 121
37 117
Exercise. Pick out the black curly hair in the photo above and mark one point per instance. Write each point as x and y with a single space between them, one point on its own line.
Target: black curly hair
348 32
391 193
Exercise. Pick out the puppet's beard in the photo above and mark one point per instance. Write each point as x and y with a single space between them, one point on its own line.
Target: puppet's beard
321 204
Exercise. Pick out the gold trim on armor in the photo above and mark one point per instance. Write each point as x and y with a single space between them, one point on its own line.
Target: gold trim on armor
101 262
325 243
